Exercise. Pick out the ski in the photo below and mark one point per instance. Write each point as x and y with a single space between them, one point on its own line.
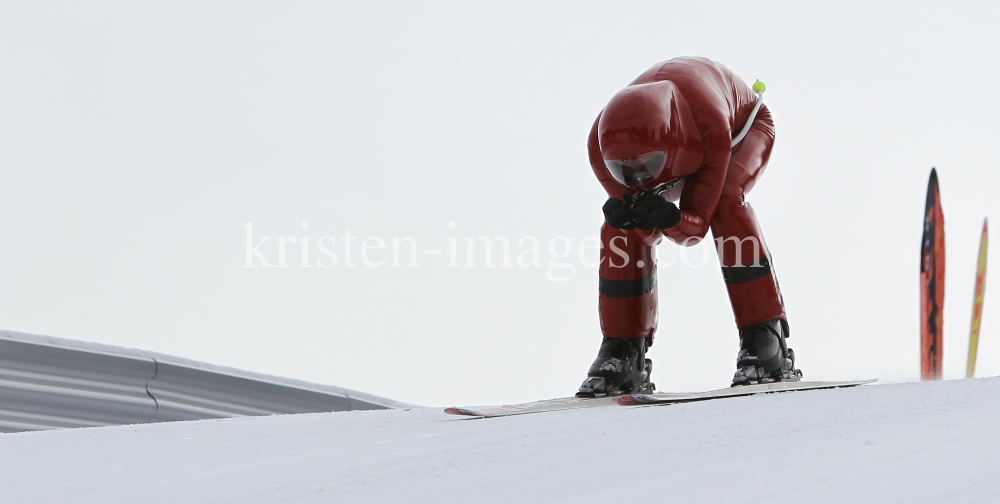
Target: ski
745 390
932 284
977 305
568 403
562 403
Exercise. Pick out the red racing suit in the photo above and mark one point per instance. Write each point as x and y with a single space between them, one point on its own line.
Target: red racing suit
713 197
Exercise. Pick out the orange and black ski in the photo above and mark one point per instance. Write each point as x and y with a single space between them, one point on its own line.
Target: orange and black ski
932 284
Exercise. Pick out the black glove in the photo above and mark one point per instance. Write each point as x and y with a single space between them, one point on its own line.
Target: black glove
653 211
617 213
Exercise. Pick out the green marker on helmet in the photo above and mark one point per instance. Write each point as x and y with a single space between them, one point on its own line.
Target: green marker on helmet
758 87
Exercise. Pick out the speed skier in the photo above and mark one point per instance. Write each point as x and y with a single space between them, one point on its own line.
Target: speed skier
687 131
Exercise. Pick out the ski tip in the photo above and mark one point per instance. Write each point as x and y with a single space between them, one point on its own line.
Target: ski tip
459 411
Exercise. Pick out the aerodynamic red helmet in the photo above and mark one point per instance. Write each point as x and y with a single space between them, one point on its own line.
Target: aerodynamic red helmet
648 136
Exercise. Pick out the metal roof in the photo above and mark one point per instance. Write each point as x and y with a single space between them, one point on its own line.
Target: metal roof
55 383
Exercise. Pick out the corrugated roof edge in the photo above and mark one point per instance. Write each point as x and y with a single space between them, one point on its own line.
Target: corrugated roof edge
204 366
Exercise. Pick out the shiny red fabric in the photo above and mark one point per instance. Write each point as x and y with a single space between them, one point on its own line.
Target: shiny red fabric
628 255
713 197
651 117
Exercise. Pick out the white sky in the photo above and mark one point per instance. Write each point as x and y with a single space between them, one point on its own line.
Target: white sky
137 139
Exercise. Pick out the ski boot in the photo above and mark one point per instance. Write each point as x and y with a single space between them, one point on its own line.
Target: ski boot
621 367
764 357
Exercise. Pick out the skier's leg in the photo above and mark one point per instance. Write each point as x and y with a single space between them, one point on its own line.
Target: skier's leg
746 261
627 300
747 266
627 306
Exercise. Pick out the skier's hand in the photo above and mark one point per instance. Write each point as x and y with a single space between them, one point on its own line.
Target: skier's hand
653 211
617 213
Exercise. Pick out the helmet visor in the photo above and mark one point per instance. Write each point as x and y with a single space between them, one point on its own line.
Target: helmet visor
637 170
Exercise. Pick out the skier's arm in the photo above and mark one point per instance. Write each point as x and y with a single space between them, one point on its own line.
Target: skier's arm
702 190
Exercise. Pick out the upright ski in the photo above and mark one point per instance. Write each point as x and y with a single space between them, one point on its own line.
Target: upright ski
932 284
977 305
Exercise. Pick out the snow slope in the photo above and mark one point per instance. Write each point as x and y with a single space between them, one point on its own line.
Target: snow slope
914 442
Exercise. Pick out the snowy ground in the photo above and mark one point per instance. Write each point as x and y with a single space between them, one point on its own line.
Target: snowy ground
914 442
